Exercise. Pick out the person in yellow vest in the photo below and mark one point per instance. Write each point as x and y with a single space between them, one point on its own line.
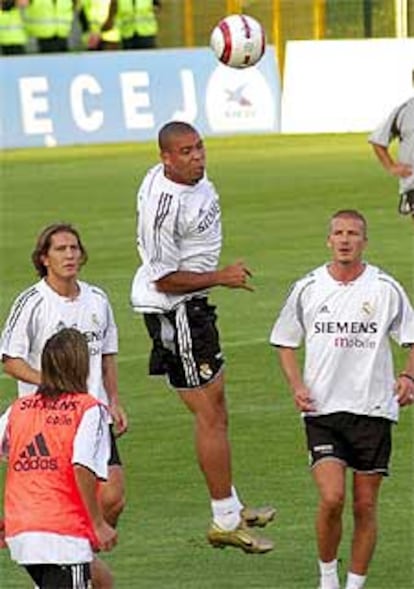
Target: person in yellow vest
57 444
137 22
92 16
13 36
50 23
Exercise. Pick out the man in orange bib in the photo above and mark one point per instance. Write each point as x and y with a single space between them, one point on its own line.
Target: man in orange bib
53 523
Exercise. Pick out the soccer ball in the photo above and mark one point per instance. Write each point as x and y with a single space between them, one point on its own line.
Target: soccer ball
238 41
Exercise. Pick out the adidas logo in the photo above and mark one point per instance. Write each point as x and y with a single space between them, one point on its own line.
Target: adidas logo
35 456
324 309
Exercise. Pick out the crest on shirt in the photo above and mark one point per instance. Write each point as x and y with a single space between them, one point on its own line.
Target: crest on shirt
206 371
60 326
367 308
95 319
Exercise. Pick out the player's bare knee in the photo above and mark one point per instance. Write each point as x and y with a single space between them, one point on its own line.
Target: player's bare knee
364 508
212 421
333 502
102 577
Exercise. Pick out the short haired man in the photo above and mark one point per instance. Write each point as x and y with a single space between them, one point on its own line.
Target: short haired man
346 311
398 125
61 300
57 443
179 241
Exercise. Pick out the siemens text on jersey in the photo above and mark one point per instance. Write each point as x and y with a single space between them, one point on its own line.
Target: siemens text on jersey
346 327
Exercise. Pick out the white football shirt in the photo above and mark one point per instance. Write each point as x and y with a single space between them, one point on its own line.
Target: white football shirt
91 448
399 124
178 228
346 329
39 312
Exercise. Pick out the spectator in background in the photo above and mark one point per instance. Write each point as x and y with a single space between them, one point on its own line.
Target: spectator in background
399 125
93 15
137 22
13 36
57 442
50 23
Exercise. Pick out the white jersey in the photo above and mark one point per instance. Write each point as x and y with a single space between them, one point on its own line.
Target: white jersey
399 124
39 312
179 228
346 329
47 548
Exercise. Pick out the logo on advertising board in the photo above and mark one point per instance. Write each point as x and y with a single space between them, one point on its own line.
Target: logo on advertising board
239 100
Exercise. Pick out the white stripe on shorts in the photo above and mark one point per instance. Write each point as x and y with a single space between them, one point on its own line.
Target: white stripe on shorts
185 345
78 577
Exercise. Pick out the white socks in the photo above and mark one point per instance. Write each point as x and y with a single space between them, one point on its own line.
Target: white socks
226 513
236 498
329 575
354 581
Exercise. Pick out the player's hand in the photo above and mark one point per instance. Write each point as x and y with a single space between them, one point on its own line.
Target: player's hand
107 536
2 541
236 276
401 170
303 399
404 390
120 419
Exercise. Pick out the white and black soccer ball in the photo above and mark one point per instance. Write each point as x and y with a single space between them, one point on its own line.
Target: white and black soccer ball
238 41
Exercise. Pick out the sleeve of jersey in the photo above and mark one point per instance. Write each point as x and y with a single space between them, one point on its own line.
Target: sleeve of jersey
15 339
402 328
165 247
4 442
110 341
91 447
288 329
386 132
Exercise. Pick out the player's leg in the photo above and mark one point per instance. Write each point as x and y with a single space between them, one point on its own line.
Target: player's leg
251 516
371 440
200 372
101 575
112 494
208 406
112 491
212 445
329 476
186 348
328 463
365 489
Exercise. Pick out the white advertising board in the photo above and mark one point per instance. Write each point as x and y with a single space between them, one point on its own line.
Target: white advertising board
344 86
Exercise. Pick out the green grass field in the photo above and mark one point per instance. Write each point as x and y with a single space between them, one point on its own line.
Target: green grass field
277 194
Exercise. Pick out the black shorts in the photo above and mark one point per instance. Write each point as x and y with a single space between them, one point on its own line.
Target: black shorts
186 346
53 576
114 458
362 442
406 206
